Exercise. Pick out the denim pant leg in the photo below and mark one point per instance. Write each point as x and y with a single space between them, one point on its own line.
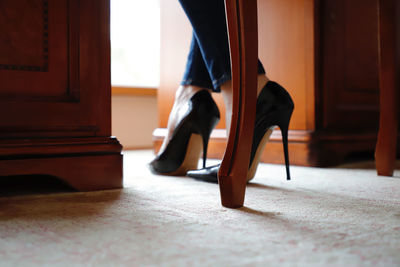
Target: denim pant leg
210 39
196 72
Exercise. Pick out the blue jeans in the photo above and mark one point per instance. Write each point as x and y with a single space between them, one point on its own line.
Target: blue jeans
208 64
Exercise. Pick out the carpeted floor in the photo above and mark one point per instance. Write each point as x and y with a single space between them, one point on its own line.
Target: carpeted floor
323 217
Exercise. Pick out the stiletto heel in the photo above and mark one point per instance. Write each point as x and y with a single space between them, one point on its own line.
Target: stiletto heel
274 108
205 146
284 126
189 137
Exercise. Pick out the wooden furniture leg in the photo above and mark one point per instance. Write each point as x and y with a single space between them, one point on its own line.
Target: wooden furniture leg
243 41
389 49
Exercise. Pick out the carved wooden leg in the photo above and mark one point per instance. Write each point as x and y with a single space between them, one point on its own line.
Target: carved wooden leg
243 41
385 153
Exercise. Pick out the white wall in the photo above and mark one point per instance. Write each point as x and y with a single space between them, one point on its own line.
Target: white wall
133 120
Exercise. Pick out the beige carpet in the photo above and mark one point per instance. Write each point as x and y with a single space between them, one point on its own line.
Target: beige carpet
323 217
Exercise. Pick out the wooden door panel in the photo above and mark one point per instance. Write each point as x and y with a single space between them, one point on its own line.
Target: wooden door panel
49 67
361 47
21 46
350 64
29 66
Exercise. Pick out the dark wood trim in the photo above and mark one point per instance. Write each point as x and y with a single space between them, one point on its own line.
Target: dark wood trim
389 50
73 50
48 131
58 146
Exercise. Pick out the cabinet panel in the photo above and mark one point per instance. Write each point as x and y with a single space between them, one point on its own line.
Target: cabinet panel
47 67
350 64
23 38
35 59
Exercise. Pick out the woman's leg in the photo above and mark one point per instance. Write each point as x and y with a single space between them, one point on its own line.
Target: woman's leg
209 26
195 79
274 105
227 94
207 18
208 63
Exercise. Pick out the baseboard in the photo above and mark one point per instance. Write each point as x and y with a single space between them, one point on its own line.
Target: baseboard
273 153
306 148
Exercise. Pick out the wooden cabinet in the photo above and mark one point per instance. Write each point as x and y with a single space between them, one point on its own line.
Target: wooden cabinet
325 52
55 96
349 82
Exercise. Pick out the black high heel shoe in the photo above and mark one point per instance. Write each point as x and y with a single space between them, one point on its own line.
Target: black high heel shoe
274 108
189 137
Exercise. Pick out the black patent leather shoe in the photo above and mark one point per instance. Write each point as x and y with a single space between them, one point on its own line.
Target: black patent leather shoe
189 138
274 108
209 174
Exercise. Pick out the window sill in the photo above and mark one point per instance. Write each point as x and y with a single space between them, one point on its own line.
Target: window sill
133 91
